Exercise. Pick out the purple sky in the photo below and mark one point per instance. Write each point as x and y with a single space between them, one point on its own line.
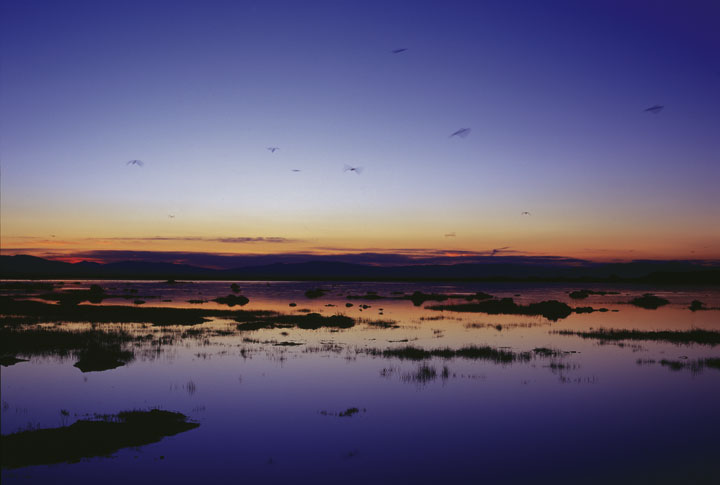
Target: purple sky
554 93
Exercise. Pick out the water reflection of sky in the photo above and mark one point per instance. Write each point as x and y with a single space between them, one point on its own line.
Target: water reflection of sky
601 418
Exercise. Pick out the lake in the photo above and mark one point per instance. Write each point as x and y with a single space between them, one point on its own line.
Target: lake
398 392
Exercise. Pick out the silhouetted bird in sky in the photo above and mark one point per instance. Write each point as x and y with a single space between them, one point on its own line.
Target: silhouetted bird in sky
497 250
357 170
296 170
655 109
139 163
398 51
525 213
462 133
450 234
171 216
273 149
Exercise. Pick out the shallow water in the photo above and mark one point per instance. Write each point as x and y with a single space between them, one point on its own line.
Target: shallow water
268 413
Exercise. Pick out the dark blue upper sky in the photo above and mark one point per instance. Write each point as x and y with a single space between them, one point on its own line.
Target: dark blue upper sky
554 93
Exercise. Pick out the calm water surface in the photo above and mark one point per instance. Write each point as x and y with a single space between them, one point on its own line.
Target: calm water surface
599 413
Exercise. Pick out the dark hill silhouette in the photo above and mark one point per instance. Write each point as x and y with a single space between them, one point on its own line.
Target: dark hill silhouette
509 269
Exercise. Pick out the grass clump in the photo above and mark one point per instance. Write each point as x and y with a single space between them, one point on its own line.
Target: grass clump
470 352
28 312
582 294
382 323
695 366
696 305
232 300
309 321
348 413
8 360
99 358
370 295
315 293
697 336
88 438
550 309
649 301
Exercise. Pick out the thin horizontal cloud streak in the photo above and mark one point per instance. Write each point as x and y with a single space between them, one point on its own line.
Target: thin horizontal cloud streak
228 239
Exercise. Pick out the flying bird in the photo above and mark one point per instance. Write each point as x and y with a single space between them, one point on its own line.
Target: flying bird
655 109
525 213
450 234
139 163
462 133
398 51
273 149
296 170
497 250
171 216
357 170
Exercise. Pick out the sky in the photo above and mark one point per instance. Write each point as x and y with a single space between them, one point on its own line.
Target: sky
554 93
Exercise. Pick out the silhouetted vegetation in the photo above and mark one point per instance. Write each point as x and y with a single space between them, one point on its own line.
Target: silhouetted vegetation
418 297
232 300
381 323
707 337
88 438
649 301
235 288
370 295
348 413
97 358
310 321
471 352
588 309
546 352
422 375
696 305
43 341
315 293
550 309
28 286
8 360
695 366
73 297
24 312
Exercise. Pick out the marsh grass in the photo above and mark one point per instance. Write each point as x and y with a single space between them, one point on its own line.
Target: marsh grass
422 375
380 323
582 294
471 352
101 436
309 321
649 301
697 336
232 300
17 312
550 309
348 413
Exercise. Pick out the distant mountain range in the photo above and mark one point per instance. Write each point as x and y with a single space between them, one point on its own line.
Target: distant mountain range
510 269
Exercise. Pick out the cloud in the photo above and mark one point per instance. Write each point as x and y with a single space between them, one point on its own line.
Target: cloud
228 240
